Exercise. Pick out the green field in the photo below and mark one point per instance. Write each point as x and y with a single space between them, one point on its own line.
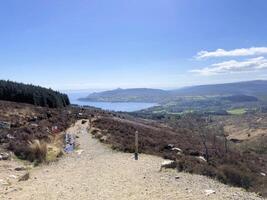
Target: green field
237 111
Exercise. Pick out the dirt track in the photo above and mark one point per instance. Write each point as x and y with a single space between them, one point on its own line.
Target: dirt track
100 173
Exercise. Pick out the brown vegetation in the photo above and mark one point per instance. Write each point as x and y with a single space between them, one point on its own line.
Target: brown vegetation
33 137
195 138
35 131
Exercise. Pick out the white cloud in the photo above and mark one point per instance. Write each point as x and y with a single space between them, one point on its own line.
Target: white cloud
253 51
233 66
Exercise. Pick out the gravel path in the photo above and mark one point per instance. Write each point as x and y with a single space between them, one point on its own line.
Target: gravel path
100 173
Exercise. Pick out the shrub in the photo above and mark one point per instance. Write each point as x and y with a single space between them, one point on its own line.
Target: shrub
37 151
235 176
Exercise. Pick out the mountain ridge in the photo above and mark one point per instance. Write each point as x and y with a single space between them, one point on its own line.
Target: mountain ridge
253 88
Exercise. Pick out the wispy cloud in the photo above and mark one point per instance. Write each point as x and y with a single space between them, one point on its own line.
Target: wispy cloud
232 66
253 51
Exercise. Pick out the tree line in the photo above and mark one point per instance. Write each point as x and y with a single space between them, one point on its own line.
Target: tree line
36 95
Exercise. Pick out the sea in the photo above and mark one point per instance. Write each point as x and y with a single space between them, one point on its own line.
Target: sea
111 106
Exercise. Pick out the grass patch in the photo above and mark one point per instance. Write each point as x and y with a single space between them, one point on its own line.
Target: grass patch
53 153
237 111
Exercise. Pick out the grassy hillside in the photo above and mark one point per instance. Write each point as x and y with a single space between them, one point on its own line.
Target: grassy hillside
129 95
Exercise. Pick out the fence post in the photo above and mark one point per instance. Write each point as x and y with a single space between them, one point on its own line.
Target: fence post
136 146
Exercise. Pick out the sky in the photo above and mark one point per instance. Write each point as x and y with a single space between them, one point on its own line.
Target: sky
105 44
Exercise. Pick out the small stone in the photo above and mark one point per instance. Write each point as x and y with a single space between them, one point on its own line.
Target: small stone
4 156
177 177
177 149
79 152
12 176
201 158
103 138
263 174
4 183
20 169
25 177
209 192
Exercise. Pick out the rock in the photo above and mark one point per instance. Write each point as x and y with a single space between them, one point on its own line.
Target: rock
209 192
12 176
25 177
177 177
12 190
168 164
263 174
34 125
169 146
10 136
84 121
177 149
33 119
4 156
201 158
103 138
4 183
234 140
5 125
20 168
79 152
194 153
98 135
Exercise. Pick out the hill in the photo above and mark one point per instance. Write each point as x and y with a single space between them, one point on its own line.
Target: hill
36 95
129 95
252 88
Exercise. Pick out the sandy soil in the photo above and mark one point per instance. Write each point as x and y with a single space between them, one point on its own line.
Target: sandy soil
97 172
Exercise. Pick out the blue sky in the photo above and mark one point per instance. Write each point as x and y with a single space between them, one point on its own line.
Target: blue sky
104 44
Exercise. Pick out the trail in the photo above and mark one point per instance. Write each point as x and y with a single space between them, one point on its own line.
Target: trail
101 173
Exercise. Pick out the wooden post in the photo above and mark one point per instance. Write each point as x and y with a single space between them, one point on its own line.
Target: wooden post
90 123
136 146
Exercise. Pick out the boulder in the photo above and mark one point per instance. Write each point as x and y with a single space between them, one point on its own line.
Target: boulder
168 164
4 156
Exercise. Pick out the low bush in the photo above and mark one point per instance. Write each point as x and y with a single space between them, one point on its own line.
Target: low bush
235 176
37 151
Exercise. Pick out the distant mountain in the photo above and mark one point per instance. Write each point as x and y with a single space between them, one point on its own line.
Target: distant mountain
253 88
256 88
128 95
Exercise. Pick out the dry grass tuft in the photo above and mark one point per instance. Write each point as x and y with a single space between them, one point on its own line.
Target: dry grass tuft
38 151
